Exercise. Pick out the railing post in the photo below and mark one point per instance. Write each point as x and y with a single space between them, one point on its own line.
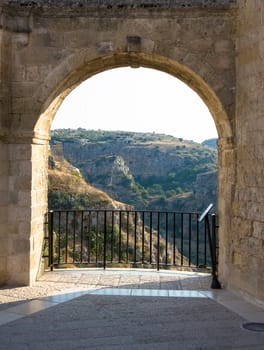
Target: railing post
158 242
215 283
105 238
51 224
212 243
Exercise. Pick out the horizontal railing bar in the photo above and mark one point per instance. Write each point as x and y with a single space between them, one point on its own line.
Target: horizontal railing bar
123 211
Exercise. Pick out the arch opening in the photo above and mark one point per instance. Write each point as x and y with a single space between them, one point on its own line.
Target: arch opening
57 92
181 123
138 100
47 99
54 97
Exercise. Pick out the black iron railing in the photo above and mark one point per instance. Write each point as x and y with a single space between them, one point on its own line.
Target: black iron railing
138 238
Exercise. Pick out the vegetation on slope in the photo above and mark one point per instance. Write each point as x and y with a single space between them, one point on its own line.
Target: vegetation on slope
147 170
69 190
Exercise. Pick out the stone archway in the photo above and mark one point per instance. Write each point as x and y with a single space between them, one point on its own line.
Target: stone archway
47 48
150 61
51 49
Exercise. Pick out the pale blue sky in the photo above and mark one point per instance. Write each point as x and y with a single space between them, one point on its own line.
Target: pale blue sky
140 99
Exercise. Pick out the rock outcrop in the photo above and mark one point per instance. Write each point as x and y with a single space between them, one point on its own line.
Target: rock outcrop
144 170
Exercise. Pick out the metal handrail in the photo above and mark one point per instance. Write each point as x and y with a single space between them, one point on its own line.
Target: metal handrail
211 233
143 238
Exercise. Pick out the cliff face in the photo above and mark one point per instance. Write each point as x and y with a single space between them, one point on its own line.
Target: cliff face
69 190
203 194
145 170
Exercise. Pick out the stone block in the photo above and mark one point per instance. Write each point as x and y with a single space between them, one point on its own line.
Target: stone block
248 55
19 214
3 154
223 62
260 288
3 246
3 271
3 215
47 39
18 269
24 89
223 46
23 183
19 152
199 44
20 40
3 198
3 183
24 198
20 246
79 39
24 168
243 281
17 105
11 228
258 230
39 198
237 259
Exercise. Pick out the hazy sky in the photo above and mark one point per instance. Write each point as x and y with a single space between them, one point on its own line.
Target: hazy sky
140 99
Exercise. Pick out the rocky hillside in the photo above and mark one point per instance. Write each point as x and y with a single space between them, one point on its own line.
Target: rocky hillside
147 170
210 143
69 190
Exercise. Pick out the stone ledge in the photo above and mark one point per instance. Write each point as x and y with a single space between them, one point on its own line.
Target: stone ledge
109 4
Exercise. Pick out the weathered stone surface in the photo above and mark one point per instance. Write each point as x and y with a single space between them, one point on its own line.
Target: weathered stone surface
185 4
247 210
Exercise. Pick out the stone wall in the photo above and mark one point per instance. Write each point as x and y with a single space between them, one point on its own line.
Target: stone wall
247 271
3 211
46 52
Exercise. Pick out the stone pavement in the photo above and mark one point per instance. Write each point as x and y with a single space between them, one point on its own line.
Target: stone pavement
128 309
74 279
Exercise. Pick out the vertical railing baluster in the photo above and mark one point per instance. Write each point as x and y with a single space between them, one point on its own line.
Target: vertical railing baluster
197 241
105 234
166 238
205 245
74 237
127 238
190 239
59 238
112 235
119 237
96 237
135 237
143 238
81 251
182 239
158 242
51 252
214 254
67 237
150 238
89 236
174 238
